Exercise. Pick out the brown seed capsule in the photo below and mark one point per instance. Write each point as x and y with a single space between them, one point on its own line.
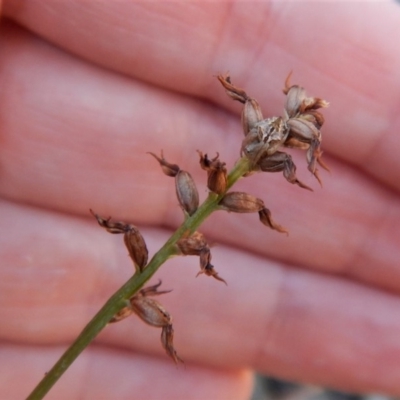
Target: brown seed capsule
216 173
133 239
168 169
136 246
192 245
281 161
186 192
251 115
266 219
241 202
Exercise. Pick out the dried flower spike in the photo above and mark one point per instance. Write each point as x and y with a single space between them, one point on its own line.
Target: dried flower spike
133 239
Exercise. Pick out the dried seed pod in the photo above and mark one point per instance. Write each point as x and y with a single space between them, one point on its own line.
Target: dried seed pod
281 161
266 219
186 192
241 202
297 101
192 245
168 169
154 314
136 246
196 245
150 311
216 173
133 239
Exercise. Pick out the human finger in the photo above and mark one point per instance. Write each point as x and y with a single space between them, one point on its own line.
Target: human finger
273 317
80 146
355 67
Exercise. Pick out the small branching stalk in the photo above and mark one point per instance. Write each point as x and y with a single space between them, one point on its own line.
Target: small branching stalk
261 147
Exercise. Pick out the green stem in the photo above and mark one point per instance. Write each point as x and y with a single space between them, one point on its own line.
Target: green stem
118 300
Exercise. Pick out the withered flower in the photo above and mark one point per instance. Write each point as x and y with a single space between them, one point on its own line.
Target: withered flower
154 314
298 128
241 202
216 173
133 239
196 245
186 190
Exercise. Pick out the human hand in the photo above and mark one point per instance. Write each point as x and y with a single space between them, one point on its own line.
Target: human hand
110 81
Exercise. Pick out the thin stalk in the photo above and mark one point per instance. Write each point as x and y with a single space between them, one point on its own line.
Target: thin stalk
118 300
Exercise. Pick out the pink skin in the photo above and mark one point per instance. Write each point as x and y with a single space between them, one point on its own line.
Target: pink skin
82 103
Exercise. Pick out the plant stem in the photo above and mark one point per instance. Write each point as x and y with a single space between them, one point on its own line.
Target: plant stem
118 300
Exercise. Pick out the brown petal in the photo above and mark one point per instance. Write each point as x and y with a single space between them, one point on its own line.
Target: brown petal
186 192
241 202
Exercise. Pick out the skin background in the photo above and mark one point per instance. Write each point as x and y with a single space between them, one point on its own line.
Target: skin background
87 88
